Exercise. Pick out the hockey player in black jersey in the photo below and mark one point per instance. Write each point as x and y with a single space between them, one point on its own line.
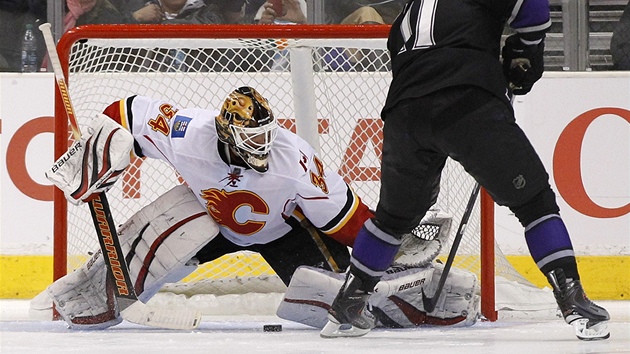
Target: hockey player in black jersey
449 97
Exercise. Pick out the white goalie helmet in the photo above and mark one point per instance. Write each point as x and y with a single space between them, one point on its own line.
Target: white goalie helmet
247 124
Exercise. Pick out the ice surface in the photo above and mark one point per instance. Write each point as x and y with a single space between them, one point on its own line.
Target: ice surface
244 334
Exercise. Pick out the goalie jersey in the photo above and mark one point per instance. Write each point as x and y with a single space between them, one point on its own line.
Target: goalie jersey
250 207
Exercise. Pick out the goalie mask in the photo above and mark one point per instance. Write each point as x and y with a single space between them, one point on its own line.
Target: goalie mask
247 124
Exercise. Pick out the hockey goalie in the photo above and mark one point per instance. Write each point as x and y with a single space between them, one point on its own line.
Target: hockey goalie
250 185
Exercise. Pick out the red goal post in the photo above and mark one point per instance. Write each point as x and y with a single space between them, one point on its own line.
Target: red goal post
325 82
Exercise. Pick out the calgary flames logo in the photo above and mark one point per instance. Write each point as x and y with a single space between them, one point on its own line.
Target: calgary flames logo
223 205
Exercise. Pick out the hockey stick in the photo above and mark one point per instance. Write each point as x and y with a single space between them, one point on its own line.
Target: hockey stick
131 309
429 303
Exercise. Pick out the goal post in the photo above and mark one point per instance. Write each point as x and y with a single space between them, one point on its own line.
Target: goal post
327 83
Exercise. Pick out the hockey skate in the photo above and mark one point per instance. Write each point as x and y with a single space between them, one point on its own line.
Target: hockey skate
349 315
588 319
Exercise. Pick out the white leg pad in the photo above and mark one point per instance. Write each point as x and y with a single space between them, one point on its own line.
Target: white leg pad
397 299
458 303
82 299
161 240
309 296
163 237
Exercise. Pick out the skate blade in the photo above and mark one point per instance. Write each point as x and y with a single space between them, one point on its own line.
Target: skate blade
598 331
333 329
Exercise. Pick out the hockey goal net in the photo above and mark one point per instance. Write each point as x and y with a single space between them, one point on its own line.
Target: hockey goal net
328 83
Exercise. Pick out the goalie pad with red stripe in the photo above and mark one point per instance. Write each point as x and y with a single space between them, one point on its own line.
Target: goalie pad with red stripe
396 301
94 163
159 243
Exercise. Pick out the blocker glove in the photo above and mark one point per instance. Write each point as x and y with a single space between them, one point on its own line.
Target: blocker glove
93 164
523 64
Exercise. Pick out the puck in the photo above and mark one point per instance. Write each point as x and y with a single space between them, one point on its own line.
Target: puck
272 328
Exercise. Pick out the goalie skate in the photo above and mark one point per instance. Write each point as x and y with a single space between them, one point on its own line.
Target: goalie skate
588 319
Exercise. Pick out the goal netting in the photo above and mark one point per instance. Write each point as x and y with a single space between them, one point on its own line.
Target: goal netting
327 83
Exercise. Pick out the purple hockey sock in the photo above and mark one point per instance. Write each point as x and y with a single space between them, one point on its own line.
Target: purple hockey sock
550 245
374 250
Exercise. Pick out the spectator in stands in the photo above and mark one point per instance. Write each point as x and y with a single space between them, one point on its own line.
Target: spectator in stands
74 10
251 9
362 11
213 12
234 11
14 15
163 11
358 12
620 42
294 13
113 11
173 9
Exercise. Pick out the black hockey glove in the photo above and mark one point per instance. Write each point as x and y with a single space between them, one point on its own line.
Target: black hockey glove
523 64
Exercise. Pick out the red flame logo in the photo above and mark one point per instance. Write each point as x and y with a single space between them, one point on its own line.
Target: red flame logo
222 206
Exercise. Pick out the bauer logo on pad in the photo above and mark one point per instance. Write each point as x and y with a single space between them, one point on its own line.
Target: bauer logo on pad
179 126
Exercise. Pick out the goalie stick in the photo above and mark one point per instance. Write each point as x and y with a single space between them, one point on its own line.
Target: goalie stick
131 309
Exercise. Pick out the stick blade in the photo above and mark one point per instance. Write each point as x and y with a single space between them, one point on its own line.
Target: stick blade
143 314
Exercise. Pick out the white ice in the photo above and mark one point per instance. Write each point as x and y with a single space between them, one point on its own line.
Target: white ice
244 334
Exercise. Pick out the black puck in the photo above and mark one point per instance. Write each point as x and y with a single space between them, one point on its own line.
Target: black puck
272 328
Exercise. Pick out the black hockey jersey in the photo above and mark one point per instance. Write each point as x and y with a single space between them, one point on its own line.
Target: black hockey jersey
440 43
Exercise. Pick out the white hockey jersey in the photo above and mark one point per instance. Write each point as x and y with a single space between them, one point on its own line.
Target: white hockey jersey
249 207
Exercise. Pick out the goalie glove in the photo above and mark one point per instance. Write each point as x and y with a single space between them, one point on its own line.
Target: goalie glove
523 63
420 247
94 163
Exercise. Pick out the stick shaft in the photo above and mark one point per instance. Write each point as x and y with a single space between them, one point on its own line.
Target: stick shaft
430 303
112 251
60 78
